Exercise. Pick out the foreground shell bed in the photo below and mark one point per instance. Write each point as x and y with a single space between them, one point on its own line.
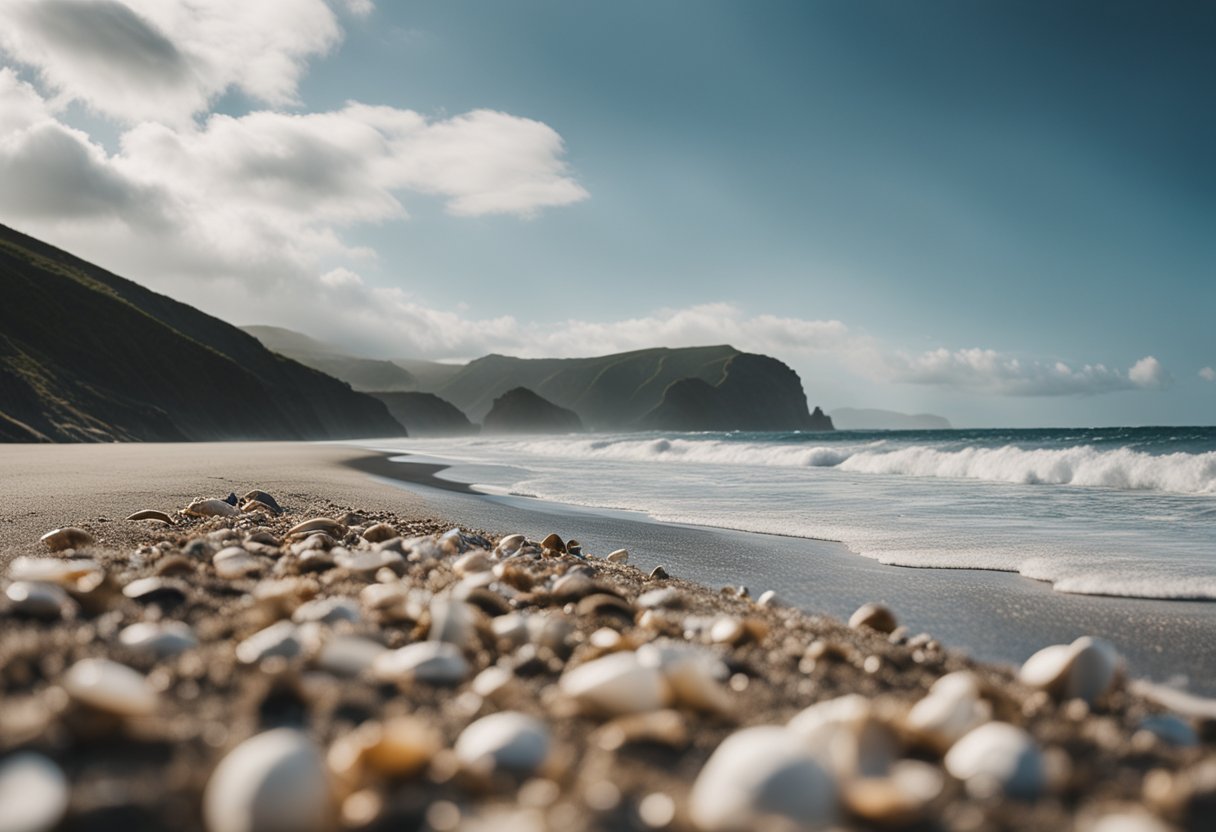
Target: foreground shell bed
235 666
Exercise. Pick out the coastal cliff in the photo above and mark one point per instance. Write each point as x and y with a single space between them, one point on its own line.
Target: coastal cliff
522 411
425 414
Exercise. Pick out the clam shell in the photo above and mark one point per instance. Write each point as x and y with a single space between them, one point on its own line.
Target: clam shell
511 543
874 617
951 709
379 533
262 497
211 508
33 793
69 537
111 687
318 524
760 774
509 740
619 556
617 684
273 782
152 514
1086 669
553 543
998 758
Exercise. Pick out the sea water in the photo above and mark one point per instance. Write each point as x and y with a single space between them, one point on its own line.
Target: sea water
1110 511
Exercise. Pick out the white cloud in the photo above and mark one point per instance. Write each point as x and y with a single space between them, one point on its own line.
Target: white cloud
1148 373
1207 374
141 60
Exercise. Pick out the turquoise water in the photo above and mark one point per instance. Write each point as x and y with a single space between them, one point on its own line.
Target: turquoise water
1114 511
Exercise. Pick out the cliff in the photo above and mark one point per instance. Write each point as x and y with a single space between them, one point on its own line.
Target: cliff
86 355
522 411
425 414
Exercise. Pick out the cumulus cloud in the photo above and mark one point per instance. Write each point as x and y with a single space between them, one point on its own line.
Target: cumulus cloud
138 60
1207 374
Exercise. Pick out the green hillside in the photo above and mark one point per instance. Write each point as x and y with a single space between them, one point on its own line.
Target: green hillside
86 355
363 374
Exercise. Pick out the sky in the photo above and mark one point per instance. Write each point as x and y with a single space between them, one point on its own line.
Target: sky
1000 212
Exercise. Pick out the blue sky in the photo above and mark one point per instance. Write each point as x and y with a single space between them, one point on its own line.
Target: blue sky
1001 212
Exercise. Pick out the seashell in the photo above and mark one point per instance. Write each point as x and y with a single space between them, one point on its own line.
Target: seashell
601 603
899 799
69 537
327 611
152 514
249 506
769 599
573 586
452 621
510 741
348 655
619 556
553 543
33 793
60 571
313 541
433 662
111 687
317 524
473 562
694 674
210 508
665 727
156 591
573 547
844 735
368 564
998 758
281 639
656 598
234 562
273 782
758 775
659 574
265 499
819 723
511 543
1085 669
159 639
454 541
727 630
617 684
315 560
486 600
39 600
379 533
951 709
875 617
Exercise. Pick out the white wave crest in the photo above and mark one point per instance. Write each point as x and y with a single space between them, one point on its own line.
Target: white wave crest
704 451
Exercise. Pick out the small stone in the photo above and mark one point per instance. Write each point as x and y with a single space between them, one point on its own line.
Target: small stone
510 740
348 655
875 617
36 599
1086 669
234 562
619 556
659 598
617 684
693 673
659 574
273 782
62 572
69 537
211 508
998 758
111 687
33 793
601 603
951 709
327 611
573 586
664 727
159 639
379 533
1171 729
155 591
368 564
454 622
281 640
473 563
758 775
433 662
727 630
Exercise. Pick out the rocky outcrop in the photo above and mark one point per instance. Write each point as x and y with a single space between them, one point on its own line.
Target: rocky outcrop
522 411
86 355
757 393
425 414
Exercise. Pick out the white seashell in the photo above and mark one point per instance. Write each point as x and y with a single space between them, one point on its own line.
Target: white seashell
617 684
327 611
281 639
433 662
512 741
152 514
998 758
33 793
511 544
727 630
844 735
111 687
234 562
159 639
769 598
874 617
273 782
619 556
1085 669
154 588
51 570
69 537
38 599
694 674
760 774
952 708
211 508
349 655
658 598
317 524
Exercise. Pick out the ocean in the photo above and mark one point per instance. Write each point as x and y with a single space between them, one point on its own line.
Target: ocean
1102 511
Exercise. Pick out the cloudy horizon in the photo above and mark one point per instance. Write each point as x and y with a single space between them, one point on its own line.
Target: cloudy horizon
403 182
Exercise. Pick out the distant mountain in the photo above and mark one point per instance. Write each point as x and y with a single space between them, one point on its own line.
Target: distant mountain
425 414
86 355
849 418
364 374
522 411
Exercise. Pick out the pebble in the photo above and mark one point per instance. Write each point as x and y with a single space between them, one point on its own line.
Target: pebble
899 799
64 572
760 774
399 747
433 662
617 684
234 562
619 556
156 591
573 586
211 508
111 687
694 674
159 639
769 598
1170 729
951 708
273 782
473 563
348 655
1086 669
327 611
452 621
281 639
875 617
379 533
38 600
33 793
998 758
69 537
367 563
658 598
510 740
843 734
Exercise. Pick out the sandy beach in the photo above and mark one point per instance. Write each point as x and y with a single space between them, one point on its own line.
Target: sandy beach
629 742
